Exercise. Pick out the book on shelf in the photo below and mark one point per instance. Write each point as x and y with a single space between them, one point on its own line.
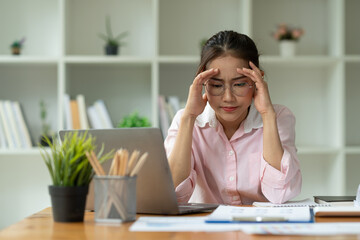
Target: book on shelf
99 116
67 112
84 124
75 114
163 116
103 114
6 126
3 141
94 118
335 200
14 132
168 107
12 124
20 122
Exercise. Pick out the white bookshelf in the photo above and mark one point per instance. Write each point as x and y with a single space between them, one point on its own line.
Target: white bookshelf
63 54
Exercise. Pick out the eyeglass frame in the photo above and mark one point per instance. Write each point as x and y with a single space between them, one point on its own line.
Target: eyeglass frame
231 89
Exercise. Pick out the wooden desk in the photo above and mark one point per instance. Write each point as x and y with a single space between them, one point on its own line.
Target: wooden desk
40 226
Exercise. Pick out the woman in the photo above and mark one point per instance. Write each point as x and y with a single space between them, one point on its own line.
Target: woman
231 145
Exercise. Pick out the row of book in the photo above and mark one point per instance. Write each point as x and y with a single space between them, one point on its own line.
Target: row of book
78 116
168 106
14 132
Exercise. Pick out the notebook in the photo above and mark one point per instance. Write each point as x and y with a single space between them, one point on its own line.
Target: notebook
301 203
335 200
337 211
155 192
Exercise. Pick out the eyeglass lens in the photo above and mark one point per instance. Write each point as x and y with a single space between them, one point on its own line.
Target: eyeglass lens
217 88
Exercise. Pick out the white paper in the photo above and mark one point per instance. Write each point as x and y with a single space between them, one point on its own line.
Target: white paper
301 203
320 229
179 224
228 213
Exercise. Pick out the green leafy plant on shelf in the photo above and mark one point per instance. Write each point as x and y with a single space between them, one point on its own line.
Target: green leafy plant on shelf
134 120
112 42
67 162
45 126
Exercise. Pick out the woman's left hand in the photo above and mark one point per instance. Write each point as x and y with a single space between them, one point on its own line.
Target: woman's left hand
262 99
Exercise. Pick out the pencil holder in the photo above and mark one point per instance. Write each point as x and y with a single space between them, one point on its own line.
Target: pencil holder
115 199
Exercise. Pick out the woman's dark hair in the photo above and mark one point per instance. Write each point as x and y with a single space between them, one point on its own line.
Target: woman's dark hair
228 42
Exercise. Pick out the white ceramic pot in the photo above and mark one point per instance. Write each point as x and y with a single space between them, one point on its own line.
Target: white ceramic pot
287 48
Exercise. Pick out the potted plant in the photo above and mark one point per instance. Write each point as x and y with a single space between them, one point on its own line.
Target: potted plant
134 120
71 173
287 36
45 126
16 46
112 42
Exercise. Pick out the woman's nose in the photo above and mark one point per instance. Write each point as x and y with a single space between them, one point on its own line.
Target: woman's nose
228 95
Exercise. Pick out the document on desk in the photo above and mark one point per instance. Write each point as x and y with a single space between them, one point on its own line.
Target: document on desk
300 203
318 229
232 214
179 224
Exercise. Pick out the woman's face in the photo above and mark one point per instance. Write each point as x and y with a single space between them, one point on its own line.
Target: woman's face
230 109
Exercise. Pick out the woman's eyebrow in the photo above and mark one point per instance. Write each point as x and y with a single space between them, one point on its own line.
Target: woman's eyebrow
236 78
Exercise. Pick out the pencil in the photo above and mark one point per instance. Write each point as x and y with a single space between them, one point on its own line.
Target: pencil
139 164
134 156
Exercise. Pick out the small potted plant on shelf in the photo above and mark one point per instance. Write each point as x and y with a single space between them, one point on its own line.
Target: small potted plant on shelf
16 46
71 173
112 42
45 126
134 120
288 37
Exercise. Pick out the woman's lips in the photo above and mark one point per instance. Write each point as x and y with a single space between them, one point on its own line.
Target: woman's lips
229 109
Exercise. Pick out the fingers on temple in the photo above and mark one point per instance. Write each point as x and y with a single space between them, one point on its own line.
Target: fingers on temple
205 75
254 67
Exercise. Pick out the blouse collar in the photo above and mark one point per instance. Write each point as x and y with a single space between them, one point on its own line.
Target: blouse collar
252 121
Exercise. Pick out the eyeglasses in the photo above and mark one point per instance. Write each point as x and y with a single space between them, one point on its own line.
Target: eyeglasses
217 88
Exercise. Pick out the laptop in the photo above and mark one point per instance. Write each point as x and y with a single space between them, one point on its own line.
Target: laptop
155 193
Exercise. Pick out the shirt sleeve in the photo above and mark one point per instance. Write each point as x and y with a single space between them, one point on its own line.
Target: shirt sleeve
185 189
281 186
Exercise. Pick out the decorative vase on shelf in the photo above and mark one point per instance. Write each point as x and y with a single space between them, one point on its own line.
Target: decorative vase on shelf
287 48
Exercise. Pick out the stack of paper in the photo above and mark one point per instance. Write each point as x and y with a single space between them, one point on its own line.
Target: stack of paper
228 214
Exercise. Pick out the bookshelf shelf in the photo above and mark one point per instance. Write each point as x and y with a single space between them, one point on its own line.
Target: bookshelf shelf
64 55
303 61
107 60
34 60
179 59
352 150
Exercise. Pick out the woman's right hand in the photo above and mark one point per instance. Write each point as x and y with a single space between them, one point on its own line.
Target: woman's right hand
196 102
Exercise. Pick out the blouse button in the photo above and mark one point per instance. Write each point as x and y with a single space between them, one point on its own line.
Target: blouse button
231 178
231 152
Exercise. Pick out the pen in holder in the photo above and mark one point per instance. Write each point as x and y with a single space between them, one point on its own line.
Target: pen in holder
115 194
115 198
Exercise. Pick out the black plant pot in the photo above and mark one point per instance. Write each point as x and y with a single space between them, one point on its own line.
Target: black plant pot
68 203
111 50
